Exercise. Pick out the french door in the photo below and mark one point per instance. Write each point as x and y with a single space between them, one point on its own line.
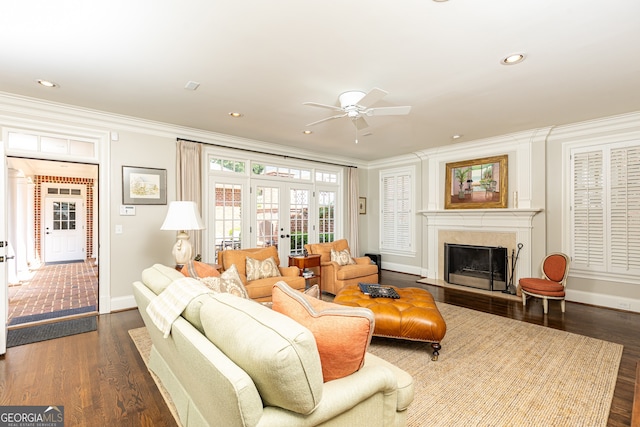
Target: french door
263 212
283 216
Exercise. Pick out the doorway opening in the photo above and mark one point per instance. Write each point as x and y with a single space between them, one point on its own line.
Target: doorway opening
52 222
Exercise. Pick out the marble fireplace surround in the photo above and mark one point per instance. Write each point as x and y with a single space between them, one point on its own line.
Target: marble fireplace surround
485 227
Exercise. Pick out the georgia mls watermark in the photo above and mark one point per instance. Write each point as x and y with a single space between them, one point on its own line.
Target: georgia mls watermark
31 416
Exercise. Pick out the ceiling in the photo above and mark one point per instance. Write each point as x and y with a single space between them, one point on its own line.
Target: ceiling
264 59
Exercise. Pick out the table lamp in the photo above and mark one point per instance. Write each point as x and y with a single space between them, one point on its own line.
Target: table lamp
182 216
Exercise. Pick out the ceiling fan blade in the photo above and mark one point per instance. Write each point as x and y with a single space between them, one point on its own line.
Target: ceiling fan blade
372 97
327 118
360 123
388 111
315 104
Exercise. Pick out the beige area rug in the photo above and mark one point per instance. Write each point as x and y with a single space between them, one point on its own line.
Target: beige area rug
495 371
142 340
443 284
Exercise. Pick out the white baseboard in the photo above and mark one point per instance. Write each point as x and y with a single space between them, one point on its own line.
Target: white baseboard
596 299
602 300
402 268
123 303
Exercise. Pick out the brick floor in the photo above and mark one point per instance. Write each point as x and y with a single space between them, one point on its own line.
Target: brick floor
55 287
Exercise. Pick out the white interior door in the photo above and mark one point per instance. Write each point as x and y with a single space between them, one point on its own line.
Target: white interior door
64 229
4 291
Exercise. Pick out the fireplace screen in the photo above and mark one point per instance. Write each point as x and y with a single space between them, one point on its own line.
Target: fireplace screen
483 267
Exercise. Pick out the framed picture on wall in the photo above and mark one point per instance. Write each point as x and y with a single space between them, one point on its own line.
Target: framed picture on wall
362 205
144 186
476 184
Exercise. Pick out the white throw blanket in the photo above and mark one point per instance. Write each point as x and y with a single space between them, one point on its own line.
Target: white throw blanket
166 307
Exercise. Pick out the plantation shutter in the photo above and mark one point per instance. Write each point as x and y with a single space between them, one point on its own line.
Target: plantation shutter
388 212
588 210
625 209
396 221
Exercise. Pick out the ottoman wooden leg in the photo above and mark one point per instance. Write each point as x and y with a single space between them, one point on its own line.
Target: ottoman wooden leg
436 346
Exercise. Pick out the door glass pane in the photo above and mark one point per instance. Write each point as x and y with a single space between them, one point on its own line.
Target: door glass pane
326 216
299 219
267 211
64 215
228 217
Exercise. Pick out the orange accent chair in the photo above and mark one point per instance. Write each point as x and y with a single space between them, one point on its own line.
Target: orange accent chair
555 270
335 276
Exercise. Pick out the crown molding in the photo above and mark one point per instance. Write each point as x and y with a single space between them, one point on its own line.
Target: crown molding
20 109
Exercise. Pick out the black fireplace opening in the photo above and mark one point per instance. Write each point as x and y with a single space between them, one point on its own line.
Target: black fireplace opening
483 267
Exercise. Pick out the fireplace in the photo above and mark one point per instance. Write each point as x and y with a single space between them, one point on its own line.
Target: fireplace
483 267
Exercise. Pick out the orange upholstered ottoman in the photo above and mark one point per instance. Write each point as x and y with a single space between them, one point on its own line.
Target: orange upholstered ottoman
414 316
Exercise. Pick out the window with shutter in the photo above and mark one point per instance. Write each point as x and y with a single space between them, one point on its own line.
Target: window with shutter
625 209
397 219
588 209
605 209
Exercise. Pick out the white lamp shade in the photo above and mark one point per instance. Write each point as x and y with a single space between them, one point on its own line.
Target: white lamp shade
183 216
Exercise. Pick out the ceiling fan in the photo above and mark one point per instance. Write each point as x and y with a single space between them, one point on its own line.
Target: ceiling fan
356 105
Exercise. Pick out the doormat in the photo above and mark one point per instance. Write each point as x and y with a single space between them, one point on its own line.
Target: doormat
16 337
51 315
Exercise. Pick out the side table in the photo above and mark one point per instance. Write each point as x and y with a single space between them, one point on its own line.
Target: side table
305 262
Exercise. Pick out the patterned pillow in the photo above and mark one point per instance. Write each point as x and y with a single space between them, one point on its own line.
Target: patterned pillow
257 269
228 282
342 257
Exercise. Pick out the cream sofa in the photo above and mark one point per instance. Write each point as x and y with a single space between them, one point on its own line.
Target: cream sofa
234 362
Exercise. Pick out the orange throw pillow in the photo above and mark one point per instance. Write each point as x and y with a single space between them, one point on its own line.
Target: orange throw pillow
198 269
342 333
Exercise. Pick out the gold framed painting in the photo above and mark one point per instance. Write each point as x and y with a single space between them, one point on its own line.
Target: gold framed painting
477 184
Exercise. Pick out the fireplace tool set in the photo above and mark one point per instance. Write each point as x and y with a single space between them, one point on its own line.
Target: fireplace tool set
511 288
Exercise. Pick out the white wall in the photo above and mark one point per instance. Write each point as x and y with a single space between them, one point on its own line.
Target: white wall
128 141
536 173
143 143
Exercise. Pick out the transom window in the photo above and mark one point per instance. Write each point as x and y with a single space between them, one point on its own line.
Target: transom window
281 172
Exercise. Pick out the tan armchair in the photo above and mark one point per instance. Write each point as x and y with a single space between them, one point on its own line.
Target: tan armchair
335 276
260 289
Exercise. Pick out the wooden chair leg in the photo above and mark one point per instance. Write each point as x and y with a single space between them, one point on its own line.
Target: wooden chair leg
545 305
562 305
524 299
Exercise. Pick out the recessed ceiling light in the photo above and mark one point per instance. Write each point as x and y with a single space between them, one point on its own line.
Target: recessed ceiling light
456 136
47 83
440 1
307 132
235 115
514 58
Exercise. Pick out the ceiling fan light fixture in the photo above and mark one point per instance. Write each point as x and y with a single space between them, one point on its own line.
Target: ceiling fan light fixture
350 98
514 58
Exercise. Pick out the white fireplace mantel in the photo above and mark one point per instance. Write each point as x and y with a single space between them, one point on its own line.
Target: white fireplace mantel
505 218
518 222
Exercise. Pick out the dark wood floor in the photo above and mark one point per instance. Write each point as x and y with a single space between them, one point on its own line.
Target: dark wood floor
101 380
